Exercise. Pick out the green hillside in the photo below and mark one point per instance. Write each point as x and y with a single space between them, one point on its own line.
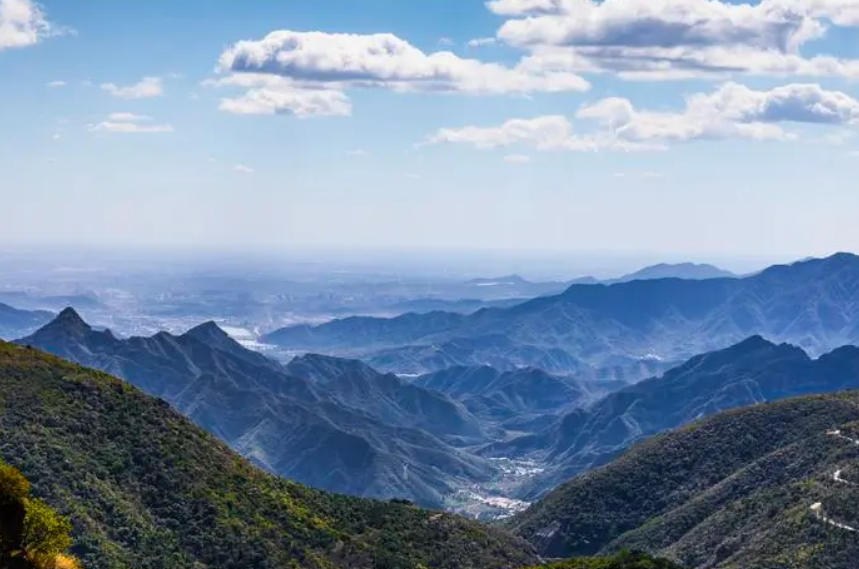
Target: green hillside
622 560
774 486
144 488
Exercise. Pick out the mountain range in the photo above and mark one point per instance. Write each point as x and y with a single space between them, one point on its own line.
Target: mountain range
771 486
813 304
752 372
15 323
333 424
144 487
512 399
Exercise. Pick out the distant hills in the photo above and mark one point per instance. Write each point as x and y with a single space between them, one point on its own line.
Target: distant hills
515 398
766 487
813 304
687 271
333 424
145 488
15 323
751 372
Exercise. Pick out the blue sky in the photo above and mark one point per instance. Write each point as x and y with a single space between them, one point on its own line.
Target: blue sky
684 127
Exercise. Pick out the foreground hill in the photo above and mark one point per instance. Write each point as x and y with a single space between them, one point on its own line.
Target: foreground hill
770 486
329 423
146 488
622 560
812 304
753 371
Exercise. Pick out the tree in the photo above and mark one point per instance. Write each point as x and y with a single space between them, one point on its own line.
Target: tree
32 534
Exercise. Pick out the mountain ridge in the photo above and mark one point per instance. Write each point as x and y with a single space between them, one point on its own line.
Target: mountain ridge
751 372
813 304
144 487
287 424
743 488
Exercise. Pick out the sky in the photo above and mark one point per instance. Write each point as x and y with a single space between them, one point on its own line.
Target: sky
681 128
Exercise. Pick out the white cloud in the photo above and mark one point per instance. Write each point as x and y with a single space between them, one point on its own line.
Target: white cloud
308 73
446 41
517 158
242 169
128 117
481 42
22 24
732 111
282 97
146 88
542 133
130 123
670 39
360 152
56 84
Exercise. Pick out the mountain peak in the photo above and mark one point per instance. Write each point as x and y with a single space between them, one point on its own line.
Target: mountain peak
753 342
69 320
208 329
842 258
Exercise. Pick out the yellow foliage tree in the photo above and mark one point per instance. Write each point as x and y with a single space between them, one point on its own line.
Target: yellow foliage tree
32 534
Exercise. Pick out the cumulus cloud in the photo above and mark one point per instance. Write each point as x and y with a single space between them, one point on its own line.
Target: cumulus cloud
732 111
274 96
309 73
383 60
130 123
23 23
146 88
56 84
541 132
242 169
642 39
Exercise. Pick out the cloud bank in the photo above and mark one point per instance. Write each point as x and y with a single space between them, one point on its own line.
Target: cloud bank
733 111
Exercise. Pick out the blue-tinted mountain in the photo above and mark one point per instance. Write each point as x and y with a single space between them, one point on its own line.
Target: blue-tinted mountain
812 304
387 397
751 372
771 486
497 351
29 301
15 323
358 432
687 271
146 489
514 396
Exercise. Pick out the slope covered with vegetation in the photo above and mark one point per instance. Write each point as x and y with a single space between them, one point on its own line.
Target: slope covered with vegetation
144 487
622 560
773 486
